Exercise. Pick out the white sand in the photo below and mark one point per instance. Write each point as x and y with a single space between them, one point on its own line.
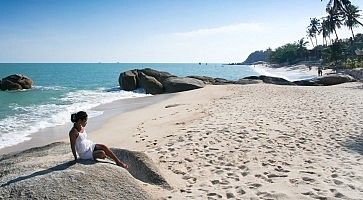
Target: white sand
253 141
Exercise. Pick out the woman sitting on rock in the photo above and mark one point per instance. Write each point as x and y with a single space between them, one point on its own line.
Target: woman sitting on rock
85 148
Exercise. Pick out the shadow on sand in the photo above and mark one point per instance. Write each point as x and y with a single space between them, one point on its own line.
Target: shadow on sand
356 144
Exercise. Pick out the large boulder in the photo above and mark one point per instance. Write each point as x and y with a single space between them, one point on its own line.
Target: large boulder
150 84
248 81
307 82
222 81
270 80
328 80
205 79
179 84
275 80
158 75
333 79
48 173
16 82
128 80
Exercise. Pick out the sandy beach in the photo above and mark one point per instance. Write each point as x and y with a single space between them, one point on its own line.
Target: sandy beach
257 141
253 141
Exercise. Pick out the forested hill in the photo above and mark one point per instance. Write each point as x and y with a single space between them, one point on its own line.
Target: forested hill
256 56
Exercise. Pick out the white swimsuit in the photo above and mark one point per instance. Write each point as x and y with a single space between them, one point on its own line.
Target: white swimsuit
84 147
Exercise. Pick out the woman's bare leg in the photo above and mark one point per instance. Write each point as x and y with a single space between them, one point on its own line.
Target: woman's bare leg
110 154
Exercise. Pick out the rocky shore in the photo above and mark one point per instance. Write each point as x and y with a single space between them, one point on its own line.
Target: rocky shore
158 82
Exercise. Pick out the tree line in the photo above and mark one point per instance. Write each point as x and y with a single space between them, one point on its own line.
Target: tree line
333 51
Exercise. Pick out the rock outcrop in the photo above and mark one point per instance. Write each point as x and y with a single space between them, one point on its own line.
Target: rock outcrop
128 80
16 82
150 84
270 80
47 173
179 84
355 73
158 75
157 82
332 79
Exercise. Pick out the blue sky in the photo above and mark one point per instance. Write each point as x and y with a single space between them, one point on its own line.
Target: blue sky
151 30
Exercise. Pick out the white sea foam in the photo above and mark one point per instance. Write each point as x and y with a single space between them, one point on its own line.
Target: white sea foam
30 119
284 72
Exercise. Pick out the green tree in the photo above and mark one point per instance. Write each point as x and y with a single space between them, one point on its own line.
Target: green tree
342 7
350 17
287 53
314 28
301 48
325 30
310 34
333 21
334 53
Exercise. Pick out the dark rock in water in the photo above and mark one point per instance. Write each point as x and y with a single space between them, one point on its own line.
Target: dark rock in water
179 84
150 84
252 77
205 79
222 81
308 82
16 82
328 80
128 80
248 81
158 75
355 73
271 80
333 79
275 80
9 85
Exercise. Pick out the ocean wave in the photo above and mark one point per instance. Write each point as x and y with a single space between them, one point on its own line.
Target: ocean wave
26 120
56 88
283 72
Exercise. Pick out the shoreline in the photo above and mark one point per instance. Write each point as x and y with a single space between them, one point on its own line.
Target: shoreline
112 109
60 133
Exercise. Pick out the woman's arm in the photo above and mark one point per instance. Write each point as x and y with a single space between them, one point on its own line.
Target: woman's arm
73 136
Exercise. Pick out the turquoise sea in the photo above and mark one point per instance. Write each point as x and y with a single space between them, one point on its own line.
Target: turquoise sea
63 88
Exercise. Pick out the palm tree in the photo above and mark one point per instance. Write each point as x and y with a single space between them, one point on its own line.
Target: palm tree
333 21
310 34
325 29
301 47
351 16
314 28
341 6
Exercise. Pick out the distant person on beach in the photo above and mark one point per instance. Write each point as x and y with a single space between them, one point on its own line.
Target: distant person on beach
320 71
85 148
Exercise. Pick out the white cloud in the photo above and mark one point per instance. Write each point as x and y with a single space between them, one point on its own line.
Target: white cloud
241 27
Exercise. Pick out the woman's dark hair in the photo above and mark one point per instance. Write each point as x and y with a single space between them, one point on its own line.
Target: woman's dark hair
81 115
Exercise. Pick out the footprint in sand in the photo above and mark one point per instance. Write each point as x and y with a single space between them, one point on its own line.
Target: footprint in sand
308 179
264 178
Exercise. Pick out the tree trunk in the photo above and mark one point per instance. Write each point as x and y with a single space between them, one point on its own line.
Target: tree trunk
311 40
335 31
351 28
323 41
316 41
